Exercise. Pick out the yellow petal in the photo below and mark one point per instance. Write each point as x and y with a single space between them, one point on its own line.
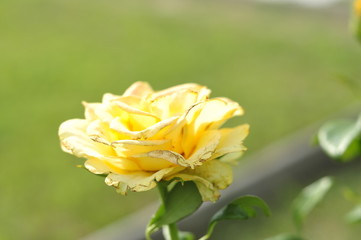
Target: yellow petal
231 142
215 112
109 97
157 130
122 164
96 166
139 89
75 141
204 149
169 156
174 104
177 100
180 88
210 177
133 147
100 132
97 111
138 181
132 110
177 132
205 188
101 158
137 151
135 118
116 165
206 116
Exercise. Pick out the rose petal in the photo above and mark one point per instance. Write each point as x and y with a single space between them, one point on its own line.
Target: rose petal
202 152
204 149
170 156
138 181
177 100
149 132
206 116
97 166
179 88
75 141
231 142
209 177
173 105
139 89
100 132
98 111
129 148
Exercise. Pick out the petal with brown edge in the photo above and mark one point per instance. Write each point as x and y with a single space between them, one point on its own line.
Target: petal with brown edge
138 181
231 142
75 141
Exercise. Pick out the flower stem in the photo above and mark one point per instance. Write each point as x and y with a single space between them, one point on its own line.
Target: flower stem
170 231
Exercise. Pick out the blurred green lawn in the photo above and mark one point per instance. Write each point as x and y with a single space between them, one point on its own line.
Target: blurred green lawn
279 63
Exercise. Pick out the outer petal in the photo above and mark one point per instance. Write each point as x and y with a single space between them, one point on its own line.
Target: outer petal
101 157
97 166
138 181
204 149
180 88
140 89
100 132
129 148
170 156
206 116
202 152
231 143
75 141
98 111
215 112
210 177
137 151
177 100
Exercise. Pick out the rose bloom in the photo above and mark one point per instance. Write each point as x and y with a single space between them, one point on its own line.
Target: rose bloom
145 136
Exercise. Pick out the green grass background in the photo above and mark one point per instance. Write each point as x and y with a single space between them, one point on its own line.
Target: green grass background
279 63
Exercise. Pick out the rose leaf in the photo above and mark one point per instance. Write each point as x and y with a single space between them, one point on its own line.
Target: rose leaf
242 208
182 200
340 139
309 197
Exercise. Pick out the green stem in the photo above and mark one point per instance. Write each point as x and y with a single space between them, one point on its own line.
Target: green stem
170 231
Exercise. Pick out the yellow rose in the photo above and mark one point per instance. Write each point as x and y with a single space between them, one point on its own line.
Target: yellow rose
144 136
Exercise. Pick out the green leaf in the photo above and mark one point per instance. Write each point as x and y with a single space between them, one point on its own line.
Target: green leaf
242 208
355 215
182 200
286 236
309 198
340 139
